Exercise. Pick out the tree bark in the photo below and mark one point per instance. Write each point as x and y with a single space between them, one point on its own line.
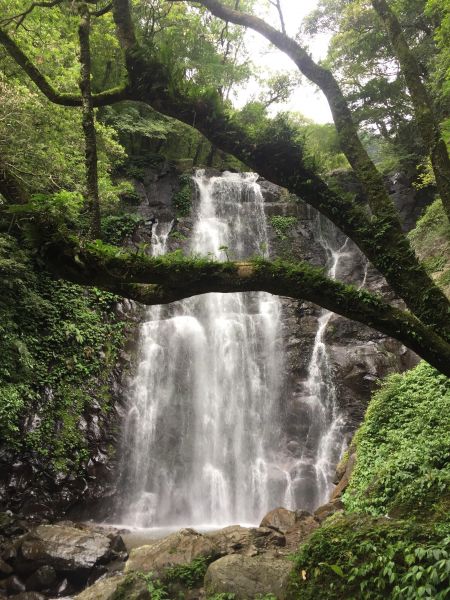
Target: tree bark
88 122
423 105
103 99
165 279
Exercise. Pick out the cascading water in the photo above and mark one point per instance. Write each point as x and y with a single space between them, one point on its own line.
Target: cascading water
202 427
204 439
324 441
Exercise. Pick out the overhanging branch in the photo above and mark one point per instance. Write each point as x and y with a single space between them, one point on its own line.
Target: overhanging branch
103 99
165 279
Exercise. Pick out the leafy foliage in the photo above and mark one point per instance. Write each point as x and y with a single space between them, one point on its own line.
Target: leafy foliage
57 343
431 241
182 200
360 557
402 468
191 574
403 446
282 225
116 228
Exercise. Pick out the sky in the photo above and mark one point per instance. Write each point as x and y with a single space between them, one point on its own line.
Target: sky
307 99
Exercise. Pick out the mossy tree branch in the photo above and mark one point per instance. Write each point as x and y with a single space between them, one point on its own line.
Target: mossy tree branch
379 237
102 99
165 279
423 105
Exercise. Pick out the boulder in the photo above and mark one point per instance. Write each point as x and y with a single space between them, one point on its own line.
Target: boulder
283 519
248 576
243 540
64 547
30 596
296 525
107 588
176 549
301 532
326 510
41 579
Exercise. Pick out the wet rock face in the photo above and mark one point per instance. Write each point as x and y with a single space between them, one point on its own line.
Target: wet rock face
57 559
360 357
247 541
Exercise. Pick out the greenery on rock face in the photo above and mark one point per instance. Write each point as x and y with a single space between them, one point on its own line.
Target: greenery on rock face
394 539
191 575
182 200
58 343
282 225
116 228
403 446
431 241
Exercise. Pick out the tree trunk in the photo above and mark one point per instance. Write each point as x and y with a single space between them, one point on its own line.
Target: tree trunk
423 105
88 121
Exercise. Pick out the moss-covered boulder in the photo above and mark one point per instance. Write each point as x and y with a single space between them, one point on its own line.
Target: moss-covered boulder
248 577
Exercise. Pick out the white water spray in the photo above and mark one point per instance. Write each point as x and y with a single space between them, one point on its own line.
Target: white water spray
203 416
204 440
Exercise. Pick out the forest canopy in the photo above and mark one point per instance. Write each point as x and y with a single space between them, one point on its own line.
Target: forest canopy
90 82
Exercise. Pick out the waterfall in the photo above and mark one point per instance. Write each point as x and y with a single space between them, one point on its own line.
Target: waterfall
203 418
204 441
311 477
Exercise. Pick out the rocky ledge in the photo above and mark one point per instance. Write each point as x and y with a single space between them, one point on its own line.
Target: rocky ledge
81 562
38 562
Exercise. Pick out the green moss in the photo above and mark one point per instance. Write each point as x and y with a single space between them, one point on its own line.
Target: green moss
58 343
177 235
282 225
182 200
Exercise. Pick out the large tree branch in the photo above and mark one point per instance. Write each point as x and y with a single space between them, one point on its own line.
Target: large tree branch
280 161
382 241
102 99
350 143
423 105
169 278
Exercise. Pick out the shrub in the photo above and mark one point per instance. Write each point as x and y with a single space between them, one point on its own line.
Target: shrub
403 446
